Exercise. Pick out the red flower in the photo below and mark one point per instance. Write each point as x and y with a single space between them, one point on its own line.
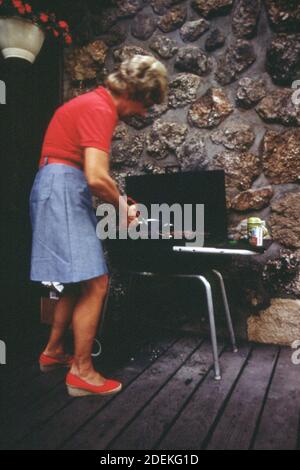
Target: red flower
47 20
68 39
19 5
63 25
44 18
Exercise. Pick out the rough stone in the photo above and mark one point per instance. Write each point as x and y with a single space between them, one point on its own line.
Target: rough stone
115 35
127 152
284 15
162 6
192 30
101 24
83 63
121 132
98 7
194 60
253 199
119 176
143 26
153 168
165 47
237 58
128 8
241 169
165 138
278 108
140 122
245 18
252 296
281 167
238 231
278 324
255 298
210 8
284 221
293 288
235 136
281 275
192 154
250 91
183 89
281 156
246 281
210 110
127 52
173 19
215 40
283 59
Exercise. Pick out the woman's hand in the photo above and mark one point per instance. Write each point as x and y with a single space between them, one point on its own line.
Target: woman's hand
129 219
132 215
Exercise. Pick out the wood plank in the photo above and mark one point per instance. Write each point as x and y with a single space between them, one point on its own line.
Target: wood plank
98 433
53 399
29 406
193 424
19 375
237 425
33 389
278 429
60 416
21 369
14 382
150 424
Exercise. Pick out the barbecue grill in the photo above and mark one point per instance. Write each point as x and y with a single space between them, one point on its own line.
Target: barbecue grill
155 257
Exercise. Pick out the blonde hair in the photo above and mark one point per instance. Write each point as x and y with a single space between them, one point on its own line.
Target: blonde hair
141 78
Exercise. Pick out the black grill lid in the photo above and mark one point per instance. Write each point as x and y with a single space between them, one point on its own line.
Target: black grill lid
197 187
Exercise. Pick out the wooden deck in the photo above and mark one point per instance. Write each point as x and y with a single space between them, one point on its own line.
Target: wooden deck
169 401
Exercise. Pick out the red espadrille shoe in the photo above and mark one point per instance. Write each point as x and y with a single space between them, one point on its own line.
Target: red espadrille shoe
48 363
80 388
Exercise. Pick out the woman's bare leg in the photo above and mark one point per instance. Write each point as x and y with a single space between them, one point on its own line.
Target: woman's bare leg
61 321
85 323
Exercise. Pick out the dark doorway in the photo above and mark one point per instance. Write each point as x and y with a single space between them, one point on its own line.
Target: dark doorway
32 94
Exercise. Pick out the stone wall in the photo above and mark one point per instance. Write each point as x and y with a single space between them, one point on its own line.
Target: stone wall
231 66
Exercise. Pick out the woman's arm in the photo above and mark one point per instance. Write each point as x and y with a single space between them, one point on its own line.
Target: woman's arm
96 169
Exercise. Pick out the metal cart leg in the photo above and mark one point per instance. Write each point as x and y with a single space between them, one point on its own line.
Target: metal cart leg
210 306
212 326
227 311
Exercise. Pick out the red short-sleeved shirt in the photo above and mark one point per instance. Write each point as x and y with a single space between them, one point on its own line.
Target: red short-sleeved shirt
88 120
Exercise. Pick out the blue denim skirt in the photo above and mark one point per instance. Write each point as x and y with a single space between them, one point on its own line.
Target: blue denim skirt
65 246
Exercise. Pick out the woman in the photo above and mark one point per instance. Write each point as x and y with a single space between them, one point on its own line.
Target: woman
74 165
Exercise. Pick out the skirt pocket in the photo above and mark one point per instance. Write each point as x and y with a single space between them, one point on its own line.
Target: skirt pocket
79 189
42 188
